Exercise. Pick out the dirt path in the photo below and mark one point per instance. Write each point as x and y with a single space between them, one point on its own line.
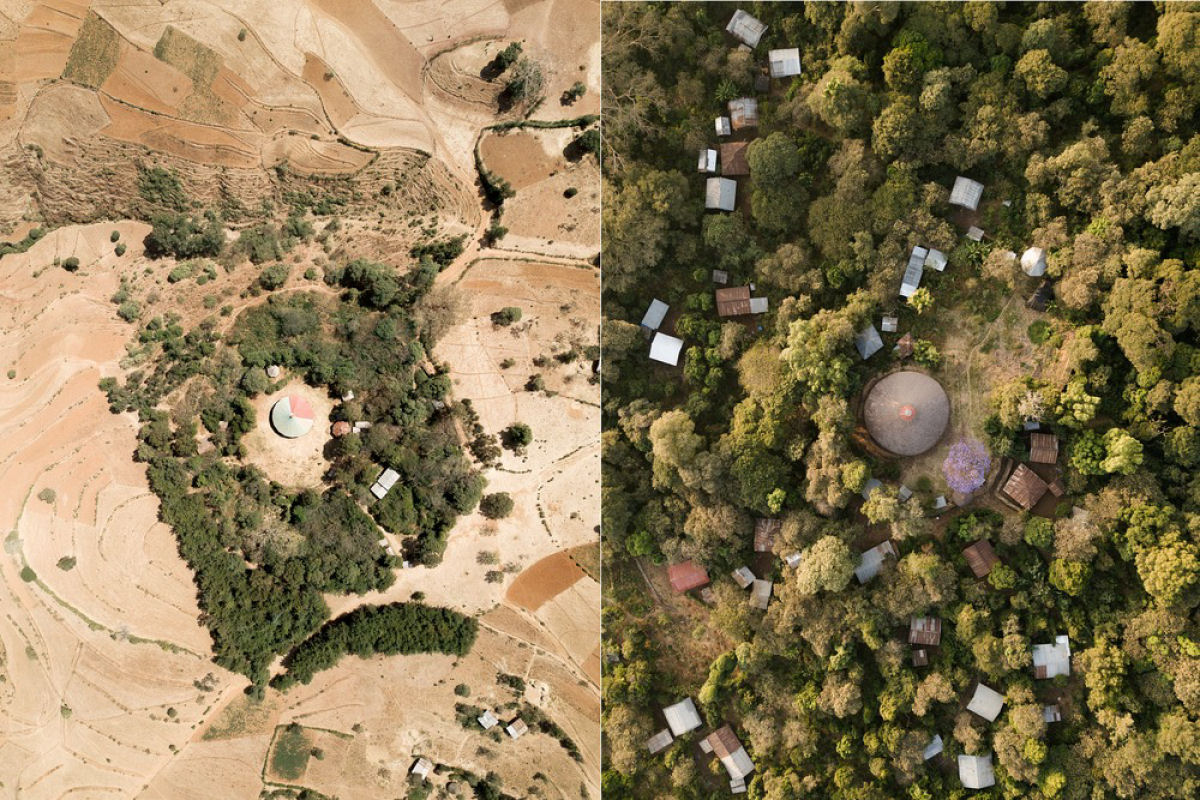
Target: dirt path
971 354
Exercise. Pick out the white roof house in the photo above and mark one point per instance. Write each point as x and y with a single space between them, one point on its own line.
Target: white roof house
792 559
746 28
384 483
976 772
724 128
933 748
760 595
655 314
784 63
868 341
758 305
966 193
743 577
889 324
488 720
708 160
517 728
665 349
872 561
975 234
682 717
720 194
421 768
1051 714
936 259
659 741
1033 262
986 702
913 272
1051 660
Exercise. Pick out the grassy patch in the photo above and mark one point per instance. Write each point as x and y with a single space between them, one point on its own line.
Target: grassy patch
94 55
587 556
290 756
245 715
1039 331
201 64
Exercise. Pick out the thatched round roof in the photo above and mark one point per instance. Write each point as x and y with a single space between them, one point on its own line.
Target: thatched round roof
292 416
907 412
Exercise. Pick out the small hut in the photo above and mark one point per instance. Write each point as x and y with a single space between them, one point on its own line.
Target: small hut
981 557
1024 487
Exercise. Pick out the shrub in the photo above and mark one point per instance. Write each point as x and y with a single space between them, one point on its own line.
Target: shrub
570 192
129 310
185 236
1039 331
162 188
274 276
506 316
1039 532
120 251
66 563
242 35
516 436
27 574
496 506
526 81
47 495
12 373
535 383
71 264
114 236
462 690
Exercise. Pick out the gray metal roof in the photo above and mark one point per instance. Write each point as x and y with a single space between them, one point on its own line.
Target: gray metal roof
976 772
655 314
966 193
913 272
986 702
784 63
868 341
682 717
746 28
666 349
1033 262
720 194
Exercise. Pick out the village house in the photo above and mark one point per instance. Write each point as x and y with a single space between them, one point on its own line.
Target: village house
934 747
872 561
720 194
666 349
966 193
733 159
384 483
1052 660
1025 487
1043 448
925 630
687 575
746 28
725 744
659 741
976 772
784 63
760 595
981 557
743 577
422 768
517 728
743 113
682 717
986 702
1033 262
655 315
868 341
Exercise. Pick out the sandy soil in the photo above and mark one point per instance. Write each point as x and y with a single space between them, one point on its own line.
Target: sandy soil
94 655
298 463
533 162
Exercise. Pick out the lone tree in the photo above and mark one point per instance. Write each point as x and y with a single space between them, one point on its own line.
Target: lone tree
516 437
966 466
526 82
496 506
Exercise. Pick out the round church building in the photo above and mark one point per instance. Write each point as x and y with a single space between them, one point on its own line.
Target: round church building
292 416
906 412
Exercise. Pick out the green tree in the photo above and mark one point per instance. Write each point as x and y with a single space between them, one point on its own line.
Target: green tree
826 566
1123 453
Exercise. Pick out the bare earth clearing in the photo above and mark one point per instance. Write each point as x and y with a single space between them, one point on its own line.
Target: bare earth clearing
107 688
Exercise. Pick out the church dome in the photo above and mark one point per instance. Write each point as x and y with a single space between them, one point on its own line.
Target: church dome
907 412
292 416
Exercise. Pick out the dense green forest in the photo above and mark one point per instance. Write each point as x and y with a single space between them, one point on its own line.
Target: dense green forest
262 553
1081 122
397 628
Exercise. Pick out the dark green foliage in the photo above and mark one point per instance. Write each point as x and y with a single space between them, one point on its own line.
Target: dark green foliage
496 506
161 189
184 236
274 276
66 563
114 236
28 575
399 628
506 316
120 249
516 436
441 251
260 244
71 264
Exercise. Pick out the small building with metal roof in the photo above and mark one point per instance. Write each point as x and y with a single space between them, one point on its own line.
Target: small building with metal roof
655 315
743 113
976 772
1052 660
1033 262
720 194
784 63
682 717
868 341
665 349
745 27
966 193
986 702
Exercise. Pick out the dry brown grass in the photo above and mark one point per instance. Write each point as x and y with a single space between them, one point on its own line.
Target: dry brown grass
94 54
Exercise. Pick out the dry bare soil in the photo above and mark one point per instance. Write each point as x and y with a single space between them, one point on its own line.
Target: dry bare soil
107 689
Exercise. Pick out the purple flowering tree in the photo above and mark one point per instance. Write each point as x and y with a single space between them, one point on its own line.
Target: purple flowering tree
966 466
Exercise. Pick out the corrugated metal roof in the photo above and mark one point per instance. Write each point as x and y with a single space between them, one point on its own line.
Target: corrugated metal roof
655 314
746 28
720 194
966 193
784 63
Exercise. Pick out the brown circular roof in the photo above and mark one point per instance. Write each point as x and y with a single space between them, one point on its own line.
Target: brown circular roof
341 428
907 412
